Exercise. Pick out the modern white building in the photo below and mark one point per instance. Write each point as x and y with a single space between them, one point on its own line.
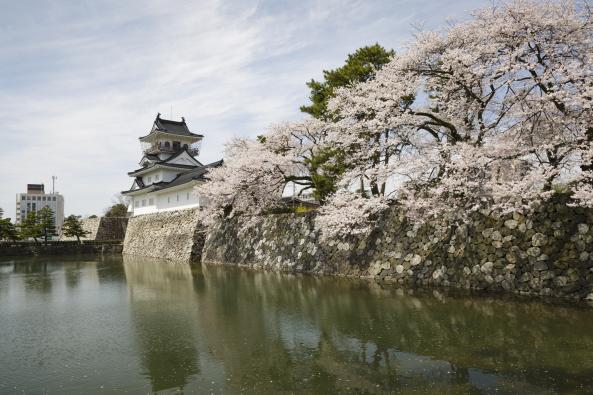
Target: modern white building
35 199
169 170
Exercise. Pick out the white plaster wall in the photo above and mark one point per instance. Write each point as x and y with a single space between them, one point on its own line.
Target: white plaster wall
180 199
167 201
163 175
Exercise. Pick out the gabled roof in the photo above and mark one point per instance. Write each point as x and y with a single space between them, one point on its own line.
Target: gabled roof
178 128
196 174
166 163
215 164
160 164
169 159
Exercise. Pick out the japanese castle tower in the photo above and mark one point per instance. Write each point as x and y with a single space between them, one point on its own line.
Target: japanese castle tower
169 170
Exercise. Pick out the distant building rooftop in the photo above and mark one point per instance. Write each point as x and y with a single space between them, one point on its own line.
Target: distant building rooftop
35 189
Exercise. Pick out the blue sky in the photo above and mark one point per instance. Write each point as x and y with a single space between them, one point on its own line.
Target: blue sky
80 81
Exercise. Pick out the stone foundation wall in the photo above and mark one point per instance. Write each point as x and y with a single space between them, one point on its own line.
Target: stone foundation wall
547 252
111 228
173 235
103 229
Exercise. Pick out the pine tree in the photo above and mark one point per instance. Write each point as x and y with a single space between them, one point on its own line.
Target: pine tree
73 227
30 227
47 223
7 230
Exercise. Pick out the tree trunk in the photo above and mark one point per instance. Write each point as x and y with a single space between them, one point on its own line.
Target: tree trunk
586 167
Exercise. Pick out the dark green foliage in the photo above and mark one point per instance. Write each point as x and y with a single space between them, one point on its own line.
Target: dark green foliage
93 216
47 223
73 227
359 67
327 166
7 230
117 210
30 227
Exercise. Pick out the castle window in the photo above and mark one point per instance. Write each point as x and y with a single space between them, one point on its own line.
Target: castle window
176 145
167 144
150 201
188 196
177 197
137 203
143 202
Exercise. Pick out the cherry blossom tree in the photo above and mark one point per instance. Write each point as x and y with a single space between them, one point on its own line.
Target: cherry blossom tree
495 111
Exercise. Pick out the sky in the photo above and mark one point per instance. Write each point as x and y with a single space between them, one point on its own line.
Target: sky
80 81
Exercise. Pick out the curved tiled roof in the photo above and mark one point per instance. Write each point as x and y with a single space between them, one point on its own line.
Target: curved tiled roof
173 127
197 174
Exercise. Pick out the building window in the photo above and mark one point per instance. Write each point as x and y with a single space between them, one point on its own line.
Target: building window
54 199
167 144
156 178
143 202
149 179
137 203
43 198
22 198
168 199
150 201
187 196
177 197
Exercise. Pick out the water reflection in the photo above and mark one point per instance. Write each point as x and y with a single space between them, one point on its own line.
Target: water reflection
85 325
271 333
164 316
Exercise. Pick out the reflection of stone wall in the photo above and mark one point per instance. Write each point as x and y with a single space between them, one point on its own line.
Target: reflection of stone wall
173 235
546 252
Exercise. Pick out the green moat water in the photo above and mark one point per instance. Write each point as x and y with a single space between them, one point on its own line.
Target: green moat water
105 325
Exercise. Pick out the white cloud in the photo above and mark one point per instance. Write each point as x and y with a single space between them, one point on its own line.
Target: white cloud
82 80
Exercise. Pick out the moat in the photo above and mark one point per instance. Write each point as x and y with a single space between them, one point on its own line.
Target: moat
89 324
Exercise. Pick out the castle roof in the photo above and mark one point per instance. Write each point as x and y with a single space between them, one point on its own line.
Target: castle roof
178 128
198 173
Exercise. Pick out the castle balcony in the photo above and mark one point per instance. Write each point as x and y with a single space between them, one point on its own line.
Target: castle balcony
166 147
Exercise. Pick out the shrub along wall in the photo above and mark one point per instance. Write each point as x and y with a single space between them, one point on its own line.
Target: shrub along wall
548 251
29 248
173 235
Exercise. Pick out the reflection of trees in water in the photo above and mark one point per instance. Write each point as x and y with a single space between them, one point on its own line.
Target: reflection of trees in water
275 333
312 322
161 295
36 275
